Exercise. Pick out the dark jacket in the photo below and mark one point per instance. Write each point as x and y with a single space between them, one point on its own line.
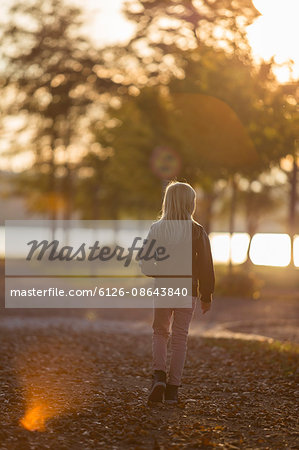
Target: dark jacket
203 278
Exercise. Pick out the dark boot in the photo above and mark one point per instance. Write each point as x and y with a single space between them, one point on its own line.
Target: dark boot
171 394
157 391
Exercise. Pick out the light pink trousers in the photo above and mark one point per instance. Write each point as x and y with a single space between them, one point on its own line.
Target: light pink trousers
181 318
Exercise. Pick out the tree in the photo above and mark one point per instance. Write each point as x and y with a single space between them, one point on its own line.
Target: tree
257 101
256 205
54 75
97 198
221 119
252 95
202 46
133 131
172 26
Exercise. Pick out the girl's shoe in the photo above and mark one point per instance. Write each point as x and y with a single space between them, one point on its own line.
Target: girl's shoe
171 394
157 391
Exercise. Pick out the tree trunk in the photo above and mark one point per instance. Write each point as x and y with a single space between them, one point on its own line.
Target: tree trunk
204 208
52 188
232 215
252 227
52 192
293 201
248 261
67 193
209 198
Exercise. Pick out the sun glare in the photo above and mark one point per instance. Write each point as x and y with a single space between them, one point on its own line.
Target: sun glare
220 244
220 247
105 22
276 33
269 249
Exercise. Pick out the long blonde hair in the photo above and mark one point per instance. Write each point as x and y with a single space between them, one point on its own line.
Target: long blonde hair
178 201
177 212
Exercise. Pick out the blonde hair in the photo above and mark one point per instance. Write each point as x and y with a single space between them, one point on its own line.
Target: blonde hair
177 212
178 201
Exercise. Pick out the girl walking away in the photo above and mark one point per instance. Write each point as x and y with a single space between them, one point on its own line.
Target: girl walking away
178 207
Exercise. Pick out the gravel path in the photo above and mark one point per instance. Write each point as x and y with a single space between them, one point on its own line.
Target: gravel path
79 380
87 389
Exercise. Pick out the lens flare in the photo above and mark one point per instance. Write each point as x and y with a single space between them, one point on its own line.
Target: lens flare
53 379
35 418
